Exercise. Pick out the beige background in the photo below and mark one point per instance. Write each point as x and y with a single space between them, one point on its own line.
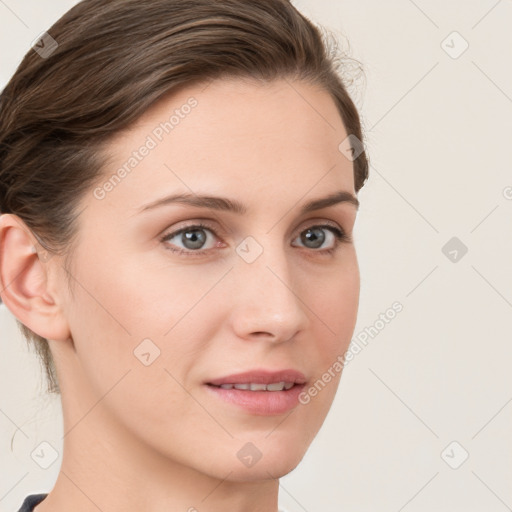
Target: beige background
439 128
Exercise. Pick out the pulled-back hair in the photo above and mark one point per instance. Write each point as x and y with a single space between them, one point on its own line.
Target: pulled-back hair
104 63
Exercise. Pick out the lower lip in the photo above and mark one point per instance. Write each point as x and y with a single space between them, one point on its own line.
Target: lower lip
265 403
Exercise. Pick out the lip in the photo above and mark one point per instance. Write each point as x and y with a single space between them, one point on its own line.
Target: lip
263 403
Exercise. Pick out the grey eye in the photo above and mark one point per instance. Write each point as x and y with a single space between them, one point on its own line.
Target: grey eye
193 238
313 237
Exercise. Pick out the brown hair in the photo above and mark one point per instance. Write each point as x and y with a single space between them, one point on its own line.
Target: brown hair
104 63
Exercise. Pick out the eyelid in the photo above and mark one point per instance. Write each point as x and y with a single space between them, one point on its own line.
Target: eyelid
188 226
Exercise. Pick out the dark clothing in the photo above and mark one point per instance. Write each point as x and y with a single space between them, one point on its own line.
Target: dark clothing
31 501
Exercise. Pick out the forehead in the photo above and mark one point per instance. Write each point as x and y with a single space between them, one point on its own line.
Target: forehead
232 136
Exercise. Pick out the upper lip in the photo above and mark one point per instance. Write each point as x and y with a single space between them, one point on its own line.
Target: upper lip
261 377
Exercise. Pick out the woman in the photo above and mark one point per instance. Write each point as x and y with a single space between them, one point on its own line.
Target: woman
178 189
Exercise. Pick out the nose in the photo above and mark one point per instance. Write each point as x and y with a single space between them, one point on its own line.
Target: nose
267 304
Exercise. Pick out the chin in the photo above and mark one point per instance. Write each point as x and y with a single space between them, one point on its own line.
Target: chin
265 458
271 468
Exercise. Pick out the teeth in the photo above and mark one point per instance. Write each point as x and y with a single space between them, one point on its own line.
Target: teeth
275 386
258 387
278 386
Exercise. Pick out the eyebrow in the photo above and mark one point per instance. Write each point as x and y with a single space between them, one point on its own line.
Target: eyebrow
232 205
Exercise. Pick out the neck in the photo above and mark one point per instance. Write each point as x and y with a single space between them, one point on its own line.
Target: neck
111 471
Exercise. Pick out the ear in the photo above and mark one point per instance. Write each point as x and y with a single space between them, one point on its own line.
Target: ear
24 283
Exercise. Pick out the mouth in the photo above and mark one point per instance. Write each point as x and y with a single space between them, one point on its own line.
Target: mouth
260 392
254 386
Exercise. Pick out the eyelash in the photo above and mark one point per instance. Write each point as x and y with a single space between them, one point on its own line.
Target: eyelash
340 236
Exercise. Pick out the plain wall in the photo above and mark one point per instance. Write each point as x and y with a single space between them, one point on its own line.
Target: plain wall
432 385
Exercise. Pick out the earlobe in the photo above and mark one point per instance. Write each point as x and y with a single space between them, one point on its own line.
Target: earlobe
24 281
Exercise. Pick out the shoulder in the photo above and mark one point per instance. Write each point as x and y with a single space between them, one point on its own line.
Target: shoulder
31 501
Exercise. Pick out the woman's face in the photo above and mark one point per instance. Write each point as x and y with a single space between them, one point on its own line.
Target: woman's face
172 298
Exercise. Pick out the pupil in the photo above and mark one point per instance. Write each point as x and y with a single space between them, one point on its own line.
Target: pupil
315 235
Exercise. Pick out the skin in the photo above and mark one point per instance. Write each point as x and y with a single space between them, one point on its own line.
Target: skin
151 437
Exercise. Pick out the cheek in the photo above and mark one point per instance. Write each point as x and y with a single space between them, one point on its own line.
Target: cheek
133 299
124 357
335 305
126 314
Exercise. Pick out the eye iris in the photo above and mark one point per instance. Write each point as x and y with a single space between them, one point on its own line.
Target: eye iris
314 235
194 238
